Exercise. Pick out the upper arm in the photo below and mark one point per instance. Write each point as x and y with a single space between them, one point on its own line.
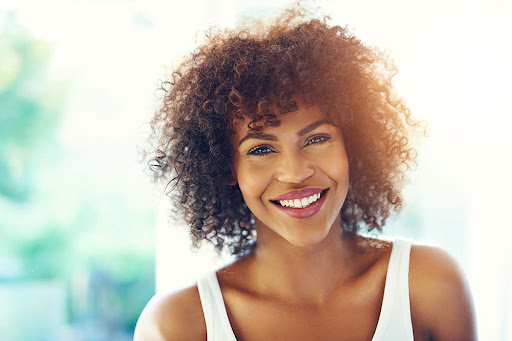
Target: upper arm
440 295
176 316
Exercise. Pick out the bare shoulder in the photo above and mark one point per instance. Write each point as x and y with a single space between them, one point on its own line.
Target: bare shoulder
440 296
174 316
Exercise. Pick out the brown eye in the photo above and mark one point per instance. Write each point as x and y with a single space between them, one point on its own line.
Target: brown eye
319 139
260 151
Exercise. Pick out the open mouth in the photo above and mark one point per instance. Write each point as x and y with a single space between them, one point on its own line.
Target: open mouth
300 203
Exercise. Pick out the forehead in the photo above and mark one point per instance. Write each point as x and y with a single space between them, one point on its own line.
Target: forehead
288 122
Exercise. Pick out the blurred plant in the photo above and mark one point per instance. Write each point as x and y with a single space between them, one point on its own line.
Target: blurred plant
58 218
30 105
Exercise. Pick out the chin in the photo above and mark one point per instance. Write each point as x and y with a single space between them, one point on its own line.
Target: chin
307 241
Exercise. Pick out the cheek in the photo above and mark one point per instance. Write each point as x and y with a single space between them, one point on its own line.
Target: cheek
253 181
343 174
338 167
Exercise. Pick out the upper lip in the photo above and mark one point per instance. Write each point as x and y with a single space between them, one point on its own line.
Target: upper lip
299 193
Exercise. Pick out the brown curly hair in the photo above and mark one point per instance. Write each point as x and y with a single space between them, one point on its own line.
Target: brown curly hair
254 72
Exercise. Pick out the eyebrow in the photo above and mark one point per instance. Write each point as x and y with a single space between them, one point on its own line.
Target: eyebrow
270 137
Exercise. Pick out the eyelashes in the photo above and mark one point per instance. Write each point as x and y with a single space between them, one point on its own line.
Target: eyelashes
259 151
264 150
319 139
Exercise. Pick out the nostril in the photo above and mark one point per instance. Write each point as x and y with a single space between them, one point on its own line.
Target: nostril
294 172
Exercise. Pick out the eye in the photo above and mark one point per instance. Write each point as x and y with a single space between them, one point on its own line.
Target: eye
319 139
260 151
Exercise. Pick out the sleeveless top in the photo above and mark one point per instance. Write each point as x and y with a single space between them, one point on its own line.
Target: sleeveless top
394 322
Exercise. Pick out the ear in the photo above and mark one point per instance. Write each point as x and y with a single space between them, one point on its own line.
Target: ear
232 180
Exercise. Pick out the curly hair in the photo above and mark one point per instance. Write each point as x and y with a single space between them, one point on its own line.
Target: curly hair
253 72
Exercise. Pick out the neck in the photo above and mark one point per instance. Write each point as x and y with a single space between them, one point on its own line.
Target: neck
305 275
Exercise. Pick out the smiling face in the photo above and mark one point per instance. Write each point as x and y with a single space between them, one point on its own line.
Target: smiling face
294 178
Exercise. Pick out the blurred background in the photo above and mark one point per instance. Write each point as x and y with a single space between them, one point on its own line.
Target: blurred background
84 236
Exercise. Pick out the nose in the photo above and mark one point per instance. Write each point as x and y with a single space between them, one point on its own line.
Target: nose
294 168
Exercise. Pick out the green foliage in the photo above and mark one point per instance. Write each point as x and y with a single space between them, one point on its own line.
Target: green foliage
30 109
61 215
31 106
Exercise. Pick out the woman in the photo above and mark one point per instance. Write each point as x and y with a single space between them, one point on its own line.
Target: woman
284 142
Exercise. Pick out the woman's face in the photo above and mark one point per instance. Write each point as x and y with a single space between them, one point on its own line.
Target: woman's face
304 163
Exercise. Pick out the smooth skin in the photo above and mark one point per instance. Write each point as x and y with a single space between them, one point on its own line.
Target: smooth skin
305 281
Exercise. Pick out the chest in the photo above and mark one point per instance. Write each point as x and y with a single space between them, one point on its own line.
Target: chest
353 314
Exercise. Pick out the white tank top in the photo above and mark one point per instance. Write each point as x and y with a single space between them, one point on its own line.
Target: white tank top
395 314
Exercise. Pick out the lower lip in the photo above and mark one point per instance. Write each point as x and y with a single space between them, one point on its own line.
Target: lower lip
302 213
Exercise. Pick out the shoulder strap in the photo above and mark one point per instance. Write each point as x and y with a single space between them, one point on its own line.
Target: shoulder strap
395 316
403 280
214 310
206 295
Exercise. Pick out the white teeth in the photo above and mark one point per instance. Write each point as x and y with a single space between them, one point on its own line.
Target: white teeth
304 202
300 203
